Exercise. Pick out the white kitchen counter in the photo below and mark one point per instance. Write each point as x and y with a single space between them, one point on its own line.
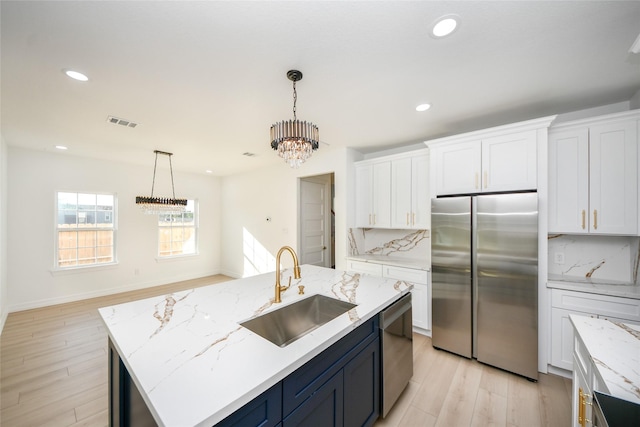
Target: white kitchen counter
614 349
418 264
195 365
625 290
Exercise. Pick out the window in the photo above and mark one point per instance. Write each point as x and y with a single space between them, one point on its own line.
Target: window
177 233
85 229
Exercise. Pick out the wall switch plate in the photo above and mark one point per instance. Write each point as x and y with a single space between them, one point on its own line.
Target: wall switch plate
558 258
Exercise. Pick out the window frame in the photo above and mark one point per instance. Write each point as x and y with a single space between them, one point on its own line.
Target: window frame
113 229
196 230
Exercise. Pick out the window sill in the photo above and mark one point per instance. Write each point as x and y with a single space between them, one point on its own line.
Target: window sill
176 257
84 269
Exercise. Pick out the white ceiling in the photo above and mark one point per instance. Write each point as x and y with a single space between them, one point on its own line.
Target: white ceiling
205 80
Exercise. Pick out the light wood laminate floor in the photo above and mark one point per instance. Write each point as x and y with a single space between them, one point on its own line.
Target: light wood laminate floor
53 372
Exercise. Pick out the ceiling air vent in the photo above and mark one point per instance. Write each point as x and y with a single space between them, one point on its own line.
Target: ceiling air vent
121 122
248 154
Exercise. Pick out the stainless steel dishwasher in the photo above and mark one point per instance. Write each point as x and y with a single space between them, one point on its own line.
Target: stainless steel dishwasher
397 350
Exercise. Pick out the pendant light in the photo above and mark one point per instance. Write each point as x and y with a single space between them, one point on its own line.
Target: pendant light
161 205
294 140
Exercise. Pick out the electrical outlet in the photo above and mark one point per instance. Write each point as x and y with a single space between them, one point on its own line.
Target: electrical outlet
558 258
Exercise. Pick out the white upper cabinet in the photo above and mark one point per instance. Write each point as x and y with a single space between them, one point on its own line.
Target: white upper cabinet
410 200
373 193
499 159
593 175
393 192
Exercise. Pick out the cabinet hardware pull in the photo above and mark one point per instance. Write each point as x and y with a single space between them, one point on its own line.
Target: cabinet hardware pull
369 219
486 179
413 220
580 407
584 215
374 219
407 218
476 180
595 219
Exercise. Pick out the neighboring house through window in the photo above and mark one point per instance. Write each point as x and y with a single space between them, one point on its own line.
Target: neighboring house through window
85 229
178 232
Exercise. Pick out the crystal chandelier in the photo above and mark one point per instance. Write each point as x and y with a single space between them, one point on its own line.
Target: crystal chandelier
294 140
161 205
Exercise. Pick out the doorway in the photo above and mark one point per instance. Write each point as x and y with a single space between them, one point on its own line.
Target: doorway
316 220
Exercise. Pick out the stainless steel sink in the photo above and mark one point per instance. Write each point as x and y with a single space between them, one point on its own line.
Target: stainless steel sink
287 324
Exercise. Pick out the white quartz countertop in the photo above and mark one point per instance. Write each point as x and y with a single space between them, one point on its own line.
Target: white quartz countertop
625 290
418 264
614 349
195 365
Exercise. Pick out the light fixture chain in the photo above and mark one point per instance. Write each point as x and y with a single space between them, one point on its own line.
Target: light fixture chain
173 188
295 99
153 183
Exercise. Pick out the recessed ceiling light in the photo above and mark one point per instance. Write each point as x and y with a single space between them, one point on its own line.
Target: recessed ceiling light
445 25
423 107
61 147
76 75
209 171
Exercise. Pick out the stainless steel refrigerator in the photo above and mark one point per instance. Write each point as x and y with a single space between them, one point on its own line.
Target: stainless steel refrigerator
484 259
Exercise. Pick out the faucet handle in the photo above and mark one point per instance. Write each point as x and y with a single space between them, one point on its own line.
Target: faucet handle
300 289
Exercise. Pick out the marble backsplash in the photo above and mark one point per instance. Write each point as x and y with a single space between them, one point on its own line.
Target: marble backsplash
410 244
597 258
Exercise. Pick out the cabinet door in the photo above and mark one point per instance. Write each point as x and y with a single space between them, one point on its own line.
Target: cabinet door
401 211
569 181
364 192
457 168
263 411
613 161
420 194
509 162
324 408
562 338
419 300
381 195
580 410
362 387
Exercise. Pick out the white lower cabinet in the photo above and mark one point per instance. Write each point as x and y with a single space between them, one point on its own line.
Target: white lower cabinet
564 303
420 296
582 386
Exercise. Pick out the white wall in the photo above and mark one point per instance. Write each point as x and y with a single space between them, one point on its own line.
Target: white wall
4 306
35 176
249 241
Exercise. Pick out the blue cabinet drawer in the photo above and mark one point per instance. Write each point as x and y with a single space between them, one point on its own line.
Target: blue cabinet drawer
300 385
263 411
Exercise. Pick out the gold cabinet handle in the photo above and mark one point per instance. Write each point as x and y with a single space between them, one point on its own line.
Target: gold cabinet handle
595 219
413 218
580 407
374 219
584 217
369 219
476 180
407 218
486 179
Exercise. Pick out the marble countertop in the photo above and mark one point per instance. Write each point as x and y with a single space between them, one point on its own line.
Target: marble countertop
615 352
194 364
419 264
620 289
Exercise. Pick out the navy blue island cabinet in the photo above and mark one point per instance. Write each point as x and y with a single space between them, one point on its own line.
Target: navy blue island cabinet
339 387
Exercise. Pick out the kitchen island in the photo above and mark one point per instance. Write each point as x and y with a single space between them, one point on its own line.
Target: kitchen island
193 364
606 359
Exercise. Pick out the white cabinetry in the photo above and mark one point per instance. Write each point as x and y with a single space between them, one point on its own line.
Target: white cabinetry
420 297
593 175
564 303
373 195
410 200
393 192
497 159
582 384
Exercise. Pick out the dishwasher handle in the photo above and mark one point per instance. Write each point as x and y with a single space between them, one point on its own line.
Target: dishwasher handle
394 311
